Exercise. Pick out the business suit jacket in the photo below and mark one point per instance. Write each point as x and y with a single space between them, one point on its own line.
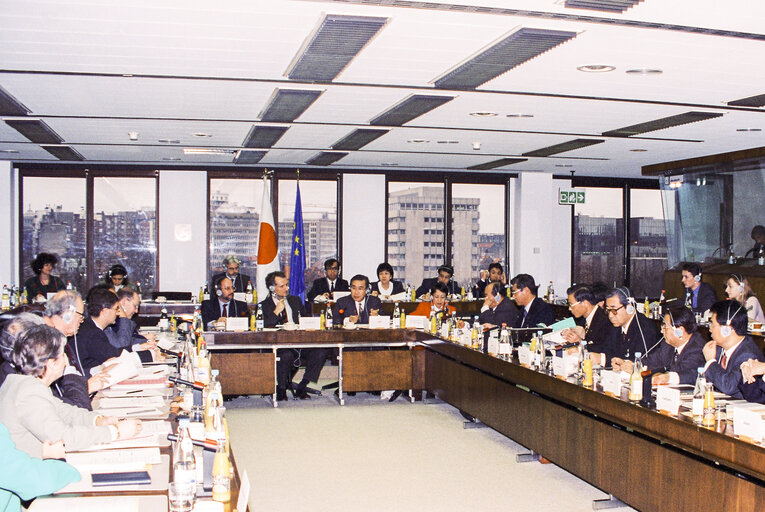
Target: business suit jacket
478 289
729 379
321 286
32 414
704 300
123 333
540 312
348 307
71 389
90 347
270 319
211 310
754 392
240 282
601 334
429 284
504 313
662 358
397 287
641 335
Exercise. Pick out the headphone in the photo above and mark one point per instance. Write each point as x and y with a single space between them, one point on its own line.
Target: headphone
271 288
677 331
630 306
740 281
726 330
68 315
218 291
697 277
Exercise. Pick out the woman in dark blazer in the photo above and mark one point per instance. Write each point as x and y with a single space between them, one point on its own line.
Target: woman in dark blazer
386 286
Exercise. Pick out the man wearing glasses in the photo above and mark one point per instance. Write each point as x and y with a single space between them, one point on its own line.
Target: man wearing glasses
239 281
326 286
123 333
91 347
533 310
635 333
598 332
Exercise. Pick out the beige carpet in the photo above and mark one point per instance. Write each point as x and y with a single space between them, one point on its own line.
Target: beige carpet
372 455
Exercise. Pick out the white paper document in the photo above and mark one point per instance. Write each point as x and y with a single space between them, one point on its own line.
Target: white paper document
110 461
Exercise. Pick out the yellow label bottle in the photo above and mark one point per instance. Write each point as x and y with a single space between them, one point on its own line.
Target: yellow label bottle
708 419
221 490
636 380
587 370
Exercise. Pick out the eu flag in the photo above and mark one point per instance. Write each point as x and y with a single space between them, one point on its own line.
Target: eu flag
297 255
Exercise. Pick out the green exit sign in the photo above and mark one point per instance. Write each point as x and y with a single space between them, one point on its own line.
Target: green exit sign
571 197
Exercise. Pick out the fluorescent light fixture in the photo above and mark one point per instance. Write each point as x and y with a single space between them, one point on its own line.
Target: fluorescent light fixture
496 163
35 130
62 152
286 105
409 108
263 136
563 147
326 158
248 156
10 106
208 151
359 138
660 124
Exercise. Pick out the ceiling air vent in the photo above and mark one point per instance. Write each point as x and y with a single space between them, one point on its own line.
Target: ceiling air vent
563 147
325 158
333 45
660 124
603 5
409 108
10 106
359 138
35 130
63 152
244 157
286 105
497 163
263 136
517 48
751 101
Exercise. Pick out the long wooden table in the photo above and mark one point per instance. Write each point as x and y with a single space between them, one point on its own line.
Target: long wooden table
648 460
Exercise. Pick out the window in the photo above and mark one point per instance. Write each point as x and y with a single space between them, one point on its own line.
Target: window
54 221
319 200
412 207
478 230
648 243
234 222
125 227
598 232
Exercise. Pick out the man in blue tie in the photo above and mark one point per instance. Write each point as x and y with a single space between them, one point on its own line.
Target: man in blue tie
357 306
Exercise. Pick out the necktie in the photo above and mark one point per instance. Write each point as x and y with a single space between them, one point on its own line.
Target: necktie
724 361
332 287
225 310
674 360
283 316
359 308
523 318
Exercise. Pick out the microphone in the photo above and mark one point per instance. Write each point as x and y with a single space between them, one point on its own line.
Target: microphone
177 380
208 444
168 352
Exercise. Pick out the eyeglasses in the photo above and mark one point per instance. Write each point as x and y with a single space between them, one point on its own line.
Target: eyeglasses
517 291
667 326
333 268
574 304
613 311
82 314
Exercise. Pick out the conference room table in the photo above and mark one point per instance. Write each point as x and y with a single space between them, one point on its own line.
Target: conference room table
647 459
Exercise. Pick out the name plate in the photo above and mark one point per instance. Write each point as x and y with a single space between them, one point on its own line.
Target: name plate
416 322
558 369
525 356
379 322
504 348
748 421
240 296
308 323
565 366
668 399
611 382
237 324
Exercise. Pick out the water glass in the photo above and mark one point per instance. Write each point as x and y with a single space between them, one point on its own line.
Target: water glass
181 496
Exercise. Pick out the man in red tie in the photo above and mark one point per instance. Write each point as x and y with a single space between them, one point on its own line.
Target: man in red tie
223 305
730 346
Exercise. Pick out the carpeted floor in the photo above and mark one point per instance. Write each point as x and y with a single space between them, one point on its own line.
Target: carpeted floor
371 455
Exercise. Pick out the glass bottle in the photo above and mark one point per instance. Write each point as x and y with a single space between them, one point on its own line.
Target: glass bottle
504 343
402 320
396 316
184 465
259 319
433 321
698 396
474 333
221 490
329 321
636 380
586 366
708 419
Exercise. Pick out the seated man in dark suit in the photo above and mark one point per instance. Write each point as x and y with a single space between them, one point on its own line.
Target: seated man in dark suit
699 296
753 386
598 332
685 357
279 308
445 273
239 281
636 333
730 347
326 286
90 346
358 306
497 309
123 333
495 274
223 304
534 310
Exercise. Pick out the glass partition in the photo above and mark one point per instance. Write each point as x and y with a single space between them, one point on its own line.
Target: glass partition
648 243
599 237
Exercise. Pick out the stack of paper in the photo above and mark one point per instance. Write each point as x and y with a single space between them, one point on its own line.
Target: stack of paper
107 461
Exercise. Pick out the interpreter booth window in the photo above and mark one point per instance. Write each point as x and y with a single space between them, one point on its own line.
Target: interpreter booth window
319 208
478 230
648 243
598 229
416 230
125 229
54 221
234 223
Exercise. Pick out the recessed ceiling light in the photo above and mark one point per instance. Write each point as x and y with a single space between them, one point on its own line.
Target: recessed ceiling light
9 150
447 142
208 151
418 141
171 159
484 114
519 115
563 165
638 150
133 136
388 164
748 129
644 71
169 141
202 134
596 68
